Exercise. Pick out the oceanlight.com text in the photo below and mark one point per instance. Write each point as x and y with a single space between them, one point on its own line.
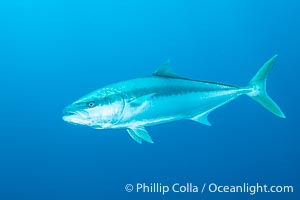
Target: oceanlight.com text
251 189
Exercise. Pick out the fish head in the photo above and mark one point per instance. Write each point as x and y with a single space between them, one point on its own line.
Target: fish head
100 109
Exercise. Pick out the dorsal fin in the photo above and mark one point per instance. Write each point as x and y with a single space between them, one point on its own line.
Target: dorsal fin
166 71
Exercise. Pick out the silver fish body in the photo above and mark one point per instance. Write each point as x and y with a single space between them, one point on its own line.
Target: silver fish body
161 98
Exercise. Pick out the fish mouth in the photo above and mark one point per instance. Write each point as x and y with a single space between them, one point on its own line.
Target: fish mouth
82 114
75 117
69 110
69 113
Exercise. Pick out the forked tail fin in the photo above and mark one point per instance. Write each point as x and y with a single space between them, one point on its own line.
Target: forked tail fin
259 92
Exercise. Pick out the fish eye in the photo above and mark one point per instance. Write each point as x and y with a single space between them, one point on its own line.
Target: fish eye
91 104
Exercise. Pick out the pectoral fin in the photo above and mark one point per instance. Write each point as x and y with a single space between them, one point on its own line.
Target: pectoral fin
142 99
139 134
134 136
202 118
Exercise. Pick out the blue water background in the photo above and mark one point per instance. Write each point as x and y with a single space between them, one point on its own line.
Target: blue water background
52 52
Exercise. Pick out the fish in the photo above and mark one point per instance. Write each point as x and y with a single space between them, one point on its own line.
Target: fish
163 97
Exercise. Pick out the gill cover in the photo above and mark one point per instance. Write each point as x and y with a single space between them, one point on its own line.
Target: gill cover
110 108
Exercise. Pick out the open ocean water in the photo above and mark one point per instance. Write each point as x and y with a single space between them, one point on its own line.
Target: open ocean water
54 51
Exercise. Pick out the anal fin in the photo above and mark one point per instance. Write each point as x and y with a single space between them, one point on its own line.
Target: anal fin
202 118
139 134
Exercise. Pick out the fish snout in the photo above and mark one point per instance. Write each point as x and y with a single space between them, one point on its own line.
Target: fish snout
68 111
